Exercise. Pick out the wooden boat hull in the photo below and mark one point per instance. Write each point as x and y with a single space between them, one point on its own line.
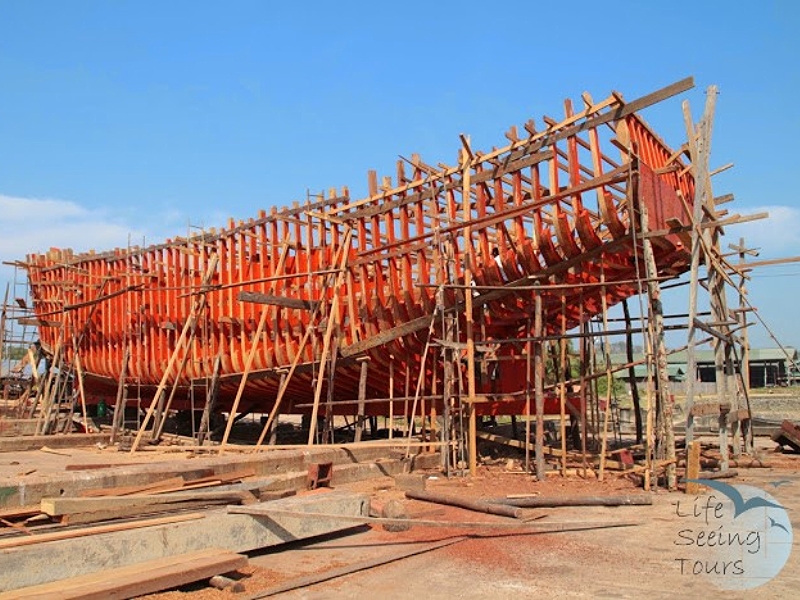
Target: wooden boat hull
339 281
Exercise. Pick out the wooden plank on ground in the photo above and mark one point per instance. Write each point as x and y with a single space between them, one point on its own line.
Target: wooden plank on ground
127 512
149 488
19 512
65 505
139 579
53 536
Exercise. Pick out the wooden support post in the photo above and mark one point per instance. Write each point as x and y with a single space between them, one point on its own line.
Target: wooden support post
342 252
333 324
528 377
211 400
420 381
699 152
362 394
162 410
391 397
466 193
584 355
609 378
197 308
248 364
538 374
273 433
562 387
3 325
693 467
328 433
666 434
81 390
637 405
49 392
122 395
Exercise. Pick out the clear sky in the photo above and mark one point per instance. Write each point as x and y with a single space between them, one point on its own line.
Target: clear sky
132 119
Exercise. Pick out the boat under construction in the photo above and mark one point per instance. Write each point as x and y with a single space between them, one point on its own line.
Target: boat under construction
430 288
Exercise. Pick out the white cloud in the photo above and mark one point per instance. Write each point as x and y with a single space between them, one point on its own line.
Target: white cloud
776 236
33 225
27 209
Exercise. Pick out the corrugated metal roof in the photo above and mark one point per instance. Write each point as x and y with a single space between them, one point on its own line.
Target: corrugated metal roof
707 356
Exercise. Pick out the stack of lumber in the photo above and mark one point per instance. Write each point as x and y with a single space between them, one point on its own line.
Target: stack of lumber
102 504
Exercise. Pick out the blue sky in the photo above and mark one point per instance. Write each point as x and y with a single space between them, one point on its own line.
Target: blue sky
131 120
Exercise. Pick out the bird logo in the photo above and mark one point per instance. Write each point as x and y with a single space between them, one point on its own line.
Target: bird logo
774 523
740 505
779 482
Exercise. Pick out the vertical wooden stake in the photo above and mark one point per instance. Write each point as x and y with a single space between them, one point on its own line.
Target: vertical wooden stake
82 392
198 307
538 374
562 378
273 431
466 200
391 397
122 393
528 363
362 394
693 468
248 364
333 325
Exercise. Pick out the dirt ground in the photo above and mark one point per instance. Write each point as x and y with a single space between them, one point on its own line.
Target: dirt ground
620 562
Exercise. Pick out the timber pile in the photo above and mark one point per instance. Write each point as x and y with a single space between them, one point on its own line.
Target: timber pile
103 504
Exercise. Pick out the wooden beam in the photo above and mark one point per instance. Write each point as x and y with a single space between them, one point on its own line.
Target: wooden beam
467 503
111 528
259 298
693 467
138 579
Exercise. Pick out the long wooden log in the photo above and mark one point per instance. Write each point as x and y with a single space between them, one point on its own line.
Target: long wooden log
545 502
526 525
475 505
